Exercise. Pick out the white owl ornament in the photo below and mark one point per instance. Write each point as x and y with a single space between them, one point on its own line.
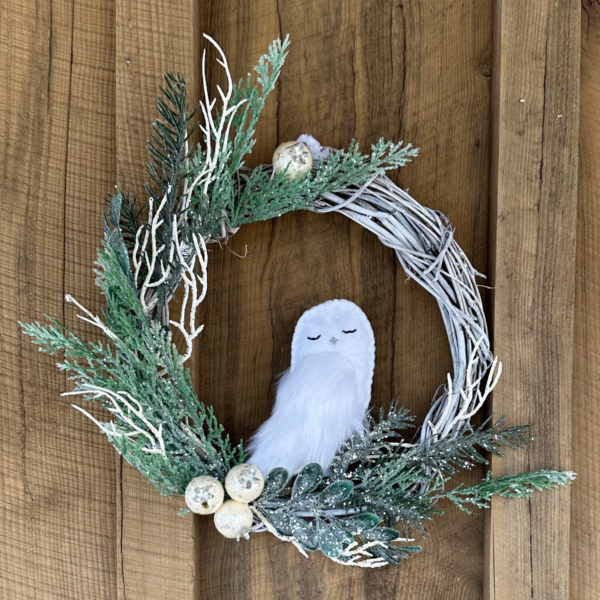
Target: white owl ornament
324 395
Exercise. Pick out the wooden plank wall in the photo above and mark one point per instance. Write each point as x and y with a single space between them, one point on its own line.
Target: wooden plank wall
533 225
80 80
585 498
156 546
59 536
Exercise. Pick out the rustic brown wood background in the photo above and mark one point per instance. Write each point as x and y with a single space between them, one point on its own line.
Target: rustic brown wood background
490 92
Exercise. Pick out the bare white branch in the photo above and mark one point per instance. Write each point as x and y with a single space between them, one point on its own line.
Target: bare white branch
91 318
124 406
215 132
194 286
357 556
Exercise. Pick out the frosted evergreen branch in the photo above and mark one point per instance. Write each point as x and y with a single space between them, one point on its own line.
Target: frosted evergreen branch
260 195
92 319
383 481
142 363
521 485
268 71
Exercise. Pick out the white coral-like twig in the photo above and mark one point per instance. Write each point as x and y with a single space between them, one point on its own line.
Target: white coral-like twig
456 410
194 284
91 318
215 132
146 251
124 406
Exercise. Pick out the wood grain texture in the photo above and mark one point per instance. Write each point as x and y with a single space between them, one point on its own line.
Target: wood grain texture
534 200
363 70
585 497
58 515
156 545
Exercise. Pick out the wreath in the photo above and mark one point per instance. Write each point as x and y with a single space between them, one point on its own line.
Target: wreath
385 481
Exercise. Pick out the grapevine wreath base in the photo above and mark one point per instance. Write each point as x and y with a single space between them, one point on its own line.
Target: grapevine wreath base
385 481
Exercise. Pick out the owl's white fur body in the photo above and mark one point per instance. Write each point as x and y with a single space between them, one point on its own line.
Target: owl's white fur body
324 395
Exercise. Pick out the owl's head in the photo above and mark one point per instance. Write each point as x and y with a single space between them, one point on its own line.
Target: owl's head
337 327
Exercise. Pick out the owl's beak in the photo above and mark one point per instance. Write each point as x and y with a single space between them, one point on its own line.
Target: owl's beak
334 340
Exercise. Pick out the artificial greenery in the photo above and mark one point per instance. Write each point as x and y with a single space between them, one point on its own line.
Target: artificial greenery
131 361
381 487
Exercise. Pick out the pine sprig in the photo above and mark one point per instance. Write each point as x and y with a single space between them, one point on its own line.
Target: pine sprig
268 70
263 196
167 143
466 450
379 438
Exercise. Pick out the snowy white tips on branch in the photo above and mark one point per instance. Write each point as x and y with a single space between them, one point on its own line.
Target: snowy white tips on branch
454 410
356 555
91 318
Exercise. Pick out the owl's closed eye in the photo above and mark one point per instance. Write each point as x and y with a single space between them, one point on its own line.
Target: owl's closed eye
314 339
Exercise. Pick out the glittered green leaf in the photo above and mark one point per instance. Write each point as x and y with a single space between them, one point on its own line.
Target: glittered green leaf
288 524
331 539
275 482
359 523
114 210
386 553
307 480
381 534
281 520
305 533
337 492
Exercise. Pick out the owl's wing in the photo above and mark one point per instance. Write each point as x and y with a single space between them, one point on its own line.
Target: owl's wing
317 408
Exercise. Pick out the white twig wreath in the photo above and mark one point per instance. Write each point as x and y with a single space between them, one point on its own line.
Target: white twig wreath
381 486
424 243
